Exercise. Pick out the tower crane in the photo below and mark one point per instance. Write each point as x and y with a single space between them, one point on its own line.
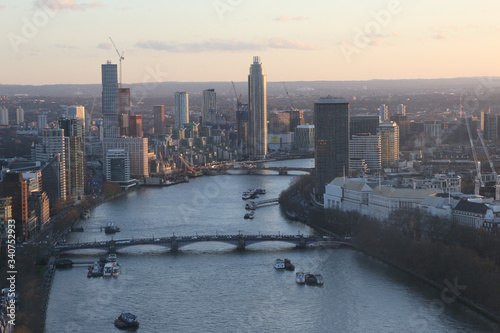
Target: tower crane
289 97
120 57
238 99
478 182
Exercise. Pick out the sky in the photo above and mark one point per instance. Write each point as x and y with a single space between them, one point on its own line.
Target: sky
66 41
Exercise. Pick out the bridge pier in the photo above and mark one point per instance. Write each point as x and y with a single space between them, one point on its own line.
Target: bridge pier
111 246
302 243
241 244
174 245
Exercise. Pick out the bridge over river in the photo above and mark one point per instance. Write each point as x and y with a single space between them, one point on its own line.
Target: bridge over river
174 243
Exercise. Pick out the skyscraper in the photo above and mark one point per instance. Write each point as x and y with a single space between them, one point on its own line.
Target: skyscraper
73 130
181 109
16 187
159 119
110 100
42 122
383 112
362 124
331 121
124 110
257 115
4 116
135 126
208 102
389 137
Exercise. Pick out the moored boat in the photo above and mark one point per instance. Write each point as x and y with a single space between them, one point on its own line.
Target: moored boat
311 279
319 279
279 264
288 265
249 215
116 269
111 228
108 270
300 277
126 320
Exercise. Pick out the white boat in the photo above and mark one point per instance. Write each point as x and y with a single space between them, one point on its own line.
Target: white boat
279 264
300 277
116 269
108 270
112 257
319 279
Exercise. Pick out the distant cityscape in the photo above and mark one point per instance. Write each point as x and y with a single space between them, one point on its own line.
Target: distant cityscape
376 151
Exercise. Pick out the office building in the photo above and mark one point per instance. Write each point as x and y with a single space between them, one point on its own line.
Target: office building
123 110
137 149
279 123
181 111
389 143
296 119
110 100
208 102
365 152
242 127
331 121
257 115
401 109
159 119
304 138
5 216
117 166
363 124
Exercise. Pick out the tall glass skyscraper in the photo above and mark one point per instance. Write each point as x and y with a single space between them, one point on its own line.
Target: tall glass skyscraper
331 121
257 115
110 100
181 109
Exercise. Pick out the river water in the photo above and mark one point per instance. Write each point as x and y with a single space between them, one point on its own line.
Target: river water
211 287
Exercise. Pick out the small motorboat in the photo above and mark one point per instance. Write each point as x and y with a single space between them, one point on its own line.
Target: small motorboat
300 277
279 264
288 265
319 279
126 320
249 215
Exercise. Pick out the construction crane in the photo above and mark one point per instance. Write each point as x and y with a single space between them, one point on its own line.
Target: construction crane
478 182
120 57
492 166
238 99
193 172
289 97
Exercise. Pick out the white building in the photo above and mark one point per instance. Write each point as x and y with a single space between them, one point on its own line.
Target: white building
4 116
365 147
383 112
181 115
42 122
19 115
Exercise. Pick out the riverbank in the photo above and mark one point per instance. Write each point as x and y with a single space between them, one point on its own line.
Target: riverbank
445 268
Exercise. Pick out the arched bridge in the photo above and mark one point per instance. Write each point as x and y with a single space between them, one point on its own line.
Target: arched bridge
280 170
175 243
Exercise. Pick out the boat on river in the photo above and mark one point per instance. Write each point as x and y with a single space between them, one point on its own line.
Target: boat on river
249 215
300 277
126 320
111 228
279 264
319 279
312 280
288 265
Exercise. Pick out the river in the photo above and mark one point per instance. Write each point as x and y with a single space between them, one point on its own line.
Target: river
211 287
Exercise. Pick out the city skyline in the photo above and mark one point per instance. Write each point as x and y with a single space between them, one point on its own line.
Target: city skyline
52 41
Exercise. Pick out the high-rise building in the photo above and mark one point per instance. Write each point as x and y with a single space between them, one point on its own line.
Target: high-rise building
5 216
110 100
257 115
296 119
135 126
123 110
362 124
242 127
181 116
364 151
159 119
304 138
117 166
4 116
137 149
73 130
52 143
42 122
19 115
402 109
389 143
491 128
383 112
208 102
15 186
331 121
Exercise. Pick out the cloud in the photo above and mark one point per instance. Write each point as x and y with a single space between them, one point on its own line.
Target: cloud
284 18
104 46
225 45
57 5
439 35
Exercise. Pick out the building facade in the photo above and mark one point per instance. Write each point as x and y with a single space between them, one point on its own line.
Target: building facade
257 115
366 148
181 115
331 121
159 119
137 149
208 102
389 139
74 131
303 138
110 100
